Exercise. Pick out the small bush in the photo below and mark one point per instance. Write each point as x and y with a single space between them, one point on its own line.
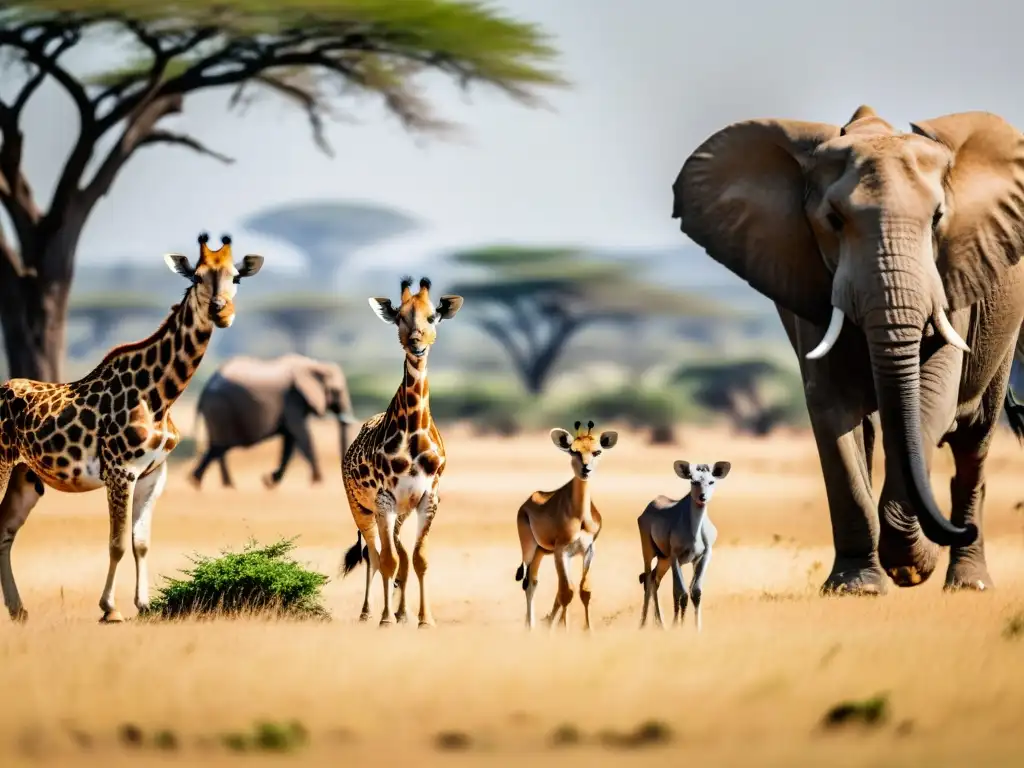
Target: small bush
255 580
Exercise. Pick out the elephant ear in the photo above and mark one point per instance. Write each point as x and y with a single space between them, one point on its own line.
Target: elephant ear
740 196
983 235
312 390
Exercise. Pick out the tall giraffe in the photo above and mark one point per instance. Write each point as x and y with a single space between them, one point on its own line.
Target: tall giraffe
113 427
395 463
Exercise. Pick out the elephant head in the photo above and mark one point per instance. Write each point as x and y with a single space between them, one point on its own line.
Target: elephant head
324 388
885 229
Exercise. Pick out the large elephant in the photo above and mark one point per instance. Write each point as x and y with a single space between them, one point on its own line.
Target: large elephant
883 251
248 400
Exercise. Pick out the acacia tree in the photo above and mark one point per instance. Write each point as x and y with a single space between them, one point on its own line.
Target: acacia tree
327 231
300 316
306 51
532 301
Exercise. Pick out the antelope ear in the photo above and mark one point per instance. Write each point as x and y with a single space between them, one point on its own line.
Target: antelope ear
179 264
983 233
740 196
721 469
561 438
382 308
609 439
682 468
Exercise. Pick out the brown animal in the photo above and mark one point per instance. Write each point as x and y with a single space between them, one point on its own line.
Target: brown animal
395 463
564 523
113 427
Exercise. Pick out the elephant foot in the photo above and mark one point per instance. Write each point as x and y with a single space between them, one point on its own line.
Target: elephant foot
907 557
850 579
194 481
966 576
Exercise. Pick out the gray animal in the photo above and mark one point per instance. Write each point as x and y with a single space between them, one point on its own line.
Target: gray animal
677 532
248 400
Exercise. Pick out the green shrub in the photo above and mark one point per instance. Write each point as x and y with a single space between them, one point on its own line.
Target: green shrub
255 580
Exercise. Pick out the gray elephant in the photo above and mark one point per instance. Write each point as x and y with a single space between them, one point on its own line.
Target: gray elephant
248 400
894 261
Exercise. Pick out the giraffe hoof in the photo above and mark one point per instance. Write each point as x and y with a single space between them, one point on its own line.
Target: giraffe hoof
112 617
427 624
401 618
364 616
268 481
144 610
19 616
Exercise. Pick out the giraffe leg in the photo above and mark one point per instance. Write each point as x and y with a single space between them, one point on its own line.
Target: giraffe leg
386 518
424 517
19 495
147 490
588 558
565 586
372 568
402 579
120 489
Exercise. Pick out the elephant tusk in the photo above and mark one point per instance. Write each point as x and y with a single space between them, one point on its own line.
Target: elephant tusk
946 330
835 325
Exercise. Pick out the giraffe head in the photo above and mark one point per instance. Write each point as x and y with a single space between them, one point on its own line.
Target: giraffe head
416 316
702 478
584 447
215 277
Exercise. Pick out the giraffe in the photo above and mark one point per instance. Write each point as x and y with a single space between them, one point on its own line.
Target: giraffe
394 465
113 427
564 523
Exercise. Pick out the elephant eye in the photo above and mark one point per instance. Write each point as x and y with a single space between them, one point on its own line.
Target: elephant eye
834 221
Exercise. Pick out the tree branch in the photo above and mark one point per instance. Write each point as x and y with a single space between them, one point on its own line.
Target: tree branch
503 337
159 136
309 102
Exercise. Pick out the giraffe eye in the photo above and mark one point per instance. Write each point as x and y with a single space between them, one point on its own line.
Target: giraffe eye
432 319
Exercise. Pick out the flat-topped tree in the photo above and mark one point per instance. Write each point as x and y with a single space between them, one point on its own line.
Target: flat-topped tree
104 311
533 300
326 232
300 50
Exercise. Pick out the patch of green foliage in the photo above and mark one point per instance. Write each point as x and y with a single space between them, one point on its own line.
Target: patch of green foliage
269 737
257 580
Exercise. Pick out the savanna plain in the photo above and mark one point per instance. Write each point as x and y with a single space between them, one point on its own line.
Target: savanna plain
752 689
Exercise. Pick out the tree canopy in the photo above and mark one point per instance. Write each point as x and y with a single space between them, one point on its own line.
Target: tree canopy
532 300
308 52
327 231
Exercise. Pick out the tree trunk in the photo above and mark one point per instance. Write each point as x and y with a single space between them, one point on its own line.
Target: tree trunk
34 308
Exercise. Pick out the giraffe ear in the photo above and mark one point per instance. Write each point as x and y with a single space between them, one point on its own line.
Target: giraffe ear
561 439
682 469
250 265
179 264
448 306
382 308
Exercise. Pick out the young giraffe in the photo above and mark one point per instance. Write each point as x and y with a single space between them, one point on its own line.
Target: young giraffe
113 427
564 523
395 463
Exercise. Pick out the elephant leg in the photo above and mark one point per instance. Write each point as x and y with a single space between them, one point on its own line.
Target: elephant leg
287 449
970 443
839 396
225 477
304 442
906 555
213 453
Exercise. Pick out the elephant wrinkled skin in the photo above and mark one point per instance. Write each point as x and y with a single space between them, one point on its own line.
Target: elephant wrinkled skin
894 262
248 400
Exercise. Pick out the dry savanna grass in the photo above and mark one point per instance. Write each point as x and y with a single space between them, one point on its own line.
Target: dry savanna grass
754 688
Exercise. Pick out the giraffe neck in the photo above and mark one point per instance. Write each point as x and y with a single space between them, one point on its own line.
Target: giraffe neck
581 498
161 366
411 403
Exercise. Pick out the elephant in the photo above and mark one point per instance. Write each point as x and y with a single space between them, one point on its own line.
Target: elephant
893 259
248 400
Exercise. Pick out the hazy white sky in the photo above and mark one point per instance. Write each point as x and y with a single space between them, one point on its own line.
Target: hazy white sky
652 79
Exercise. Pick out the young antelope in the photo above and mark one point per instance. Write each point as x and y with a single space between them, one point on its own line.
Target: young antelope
678 532
564 523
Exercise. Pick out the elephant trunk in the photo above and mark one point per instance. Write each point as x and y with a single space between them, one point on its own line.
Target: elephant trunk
345 429
894 343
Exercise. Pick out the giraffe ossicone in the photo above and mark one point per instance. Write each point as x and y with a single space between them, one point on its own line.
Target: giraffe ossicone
112 428
394 466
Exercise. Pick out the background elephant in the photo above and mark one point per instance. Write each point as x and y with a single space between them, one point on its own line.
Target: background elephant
248 400
882 251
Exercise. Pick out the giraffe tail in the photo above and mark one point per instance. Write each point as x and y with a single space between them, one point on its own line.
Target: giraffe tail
355 555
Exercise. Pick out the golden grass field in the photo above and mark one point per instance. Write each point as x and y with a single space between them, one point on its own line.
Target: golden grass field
751 689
